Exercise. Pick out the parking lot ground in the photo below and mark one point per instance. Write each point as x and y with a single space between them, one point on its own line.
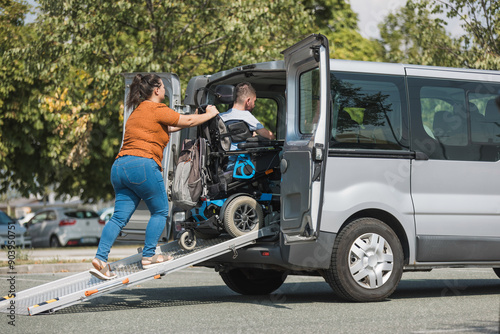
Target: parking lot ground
195 300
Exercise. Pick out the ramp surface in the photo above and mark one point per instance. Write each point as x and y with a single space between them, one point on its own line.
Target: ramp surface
81 287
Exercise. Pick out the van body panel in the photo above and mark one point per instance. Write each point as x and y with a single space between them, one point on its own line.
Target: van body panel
383 185
452 73
356 66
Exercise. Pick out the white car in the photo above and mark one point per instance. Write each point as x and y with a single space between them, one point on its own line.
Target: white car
105 215
26 218
55 227
12 233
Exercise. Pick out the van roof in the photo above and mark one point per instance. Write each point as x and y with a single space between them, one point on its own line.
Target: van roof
341 65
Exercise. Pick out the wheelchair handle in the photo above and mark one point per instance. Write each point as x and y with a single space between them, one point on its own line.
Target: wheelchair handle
202 109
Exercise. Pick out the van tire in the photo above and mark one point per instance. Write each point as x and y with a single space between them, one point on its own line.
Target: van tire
497 271
253 281
243 215
382 254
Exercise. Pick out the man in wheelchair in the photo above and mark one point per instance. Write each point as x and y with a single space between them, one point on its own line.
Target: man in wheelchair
240 174
244 103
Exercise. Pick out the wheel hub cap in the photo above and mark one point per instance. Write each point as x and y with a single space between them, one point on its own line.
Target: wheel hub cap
245 218
370 260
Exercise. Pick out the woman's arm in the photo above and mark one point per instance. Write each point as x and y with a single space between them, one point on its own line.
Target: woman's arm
174 129
188 121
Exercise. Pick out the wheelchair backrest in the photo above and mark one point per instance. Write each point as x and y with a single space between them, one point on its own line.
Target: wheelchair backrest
216 134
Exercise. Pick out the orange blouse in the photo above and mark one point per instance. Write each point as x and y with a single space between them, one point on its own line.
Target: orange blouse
146 131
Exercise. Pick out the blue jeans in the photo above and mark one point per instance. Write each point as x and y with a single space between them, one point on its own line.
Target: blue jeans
135 178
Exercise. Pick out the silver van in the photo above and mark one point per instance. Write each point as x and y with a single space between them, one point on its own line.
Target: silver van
385 168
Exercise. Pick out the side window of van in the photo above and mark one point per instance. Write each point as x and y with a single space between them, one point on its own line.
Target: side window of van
455 120
369 112
309 101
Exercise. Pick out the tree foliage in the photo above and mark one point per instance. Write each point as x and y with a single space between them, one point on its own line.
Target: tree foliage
61 93
417 34
339 23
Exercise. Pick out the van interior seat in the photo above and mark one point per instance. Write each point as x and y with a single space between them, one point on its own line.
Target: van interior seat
478 126
492 119
450 127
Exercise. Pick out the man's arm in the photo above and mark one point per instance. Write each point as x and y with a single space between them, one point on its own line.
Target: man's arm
265 133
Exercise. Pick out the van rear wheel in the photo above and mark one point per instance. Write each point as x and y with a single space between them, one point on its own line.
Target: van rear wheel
367 261
253 281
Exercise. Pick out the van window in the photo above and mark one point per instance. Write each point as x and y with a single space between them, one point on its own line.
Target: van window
309 101
369 112
455 120
266 111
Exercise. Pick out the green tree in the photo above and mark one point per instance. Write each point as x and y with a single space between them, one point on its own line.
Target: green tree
417 34
62 106
21 125
339 23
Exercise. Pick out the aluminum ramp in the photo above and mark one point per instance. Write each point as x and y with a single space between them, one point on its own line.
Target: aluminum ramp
82 287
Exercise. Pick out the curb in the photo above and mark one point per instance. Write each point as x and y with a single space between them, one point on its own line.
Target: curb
46 268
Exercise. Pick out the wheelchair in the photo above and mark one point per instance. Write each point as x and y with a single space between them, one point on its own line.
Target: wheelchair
241 188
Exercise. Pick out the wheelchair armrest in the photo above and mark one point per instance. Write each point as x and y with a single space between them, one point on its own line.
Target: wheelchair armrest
257 142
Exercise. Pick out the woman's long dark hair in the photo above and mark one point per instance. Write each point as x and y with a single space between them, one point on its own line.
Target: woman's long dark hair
142 88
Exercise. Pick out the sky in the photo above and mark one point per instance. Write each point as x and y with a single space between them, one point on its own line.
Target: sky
372 12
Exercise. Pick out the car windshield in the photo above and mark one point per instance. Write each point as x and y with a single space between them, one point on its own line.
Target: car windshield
4 219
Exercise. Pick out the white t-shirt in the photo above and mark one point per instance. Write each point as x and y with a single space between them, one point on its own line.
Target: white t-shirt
241 115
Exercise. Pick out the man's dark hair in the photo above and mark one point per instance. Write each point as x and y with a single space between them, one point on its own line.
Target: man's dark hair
242 91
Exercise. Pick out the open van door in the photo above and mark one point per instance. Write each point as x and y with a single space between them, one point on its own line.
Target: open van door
136 228
306 142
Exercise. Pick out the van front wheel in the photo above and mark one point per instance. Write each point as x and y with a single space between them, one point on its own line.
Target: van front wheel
367 261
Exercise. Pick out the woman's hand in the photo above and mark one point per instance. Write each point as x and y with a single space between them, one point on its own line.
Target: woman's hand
187 121
212 111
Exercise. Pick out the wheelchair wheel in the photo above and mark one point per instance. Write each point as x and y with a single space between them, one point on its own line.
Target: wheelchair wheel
187 240
243 215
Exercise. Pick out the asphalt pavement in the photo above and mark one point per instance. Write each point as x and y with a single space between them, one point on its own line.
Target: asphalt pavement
195 300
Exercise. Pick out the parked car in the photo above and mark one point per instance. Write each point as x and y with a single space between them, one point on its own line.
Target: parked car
25 219
12 233
55 227
105 215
